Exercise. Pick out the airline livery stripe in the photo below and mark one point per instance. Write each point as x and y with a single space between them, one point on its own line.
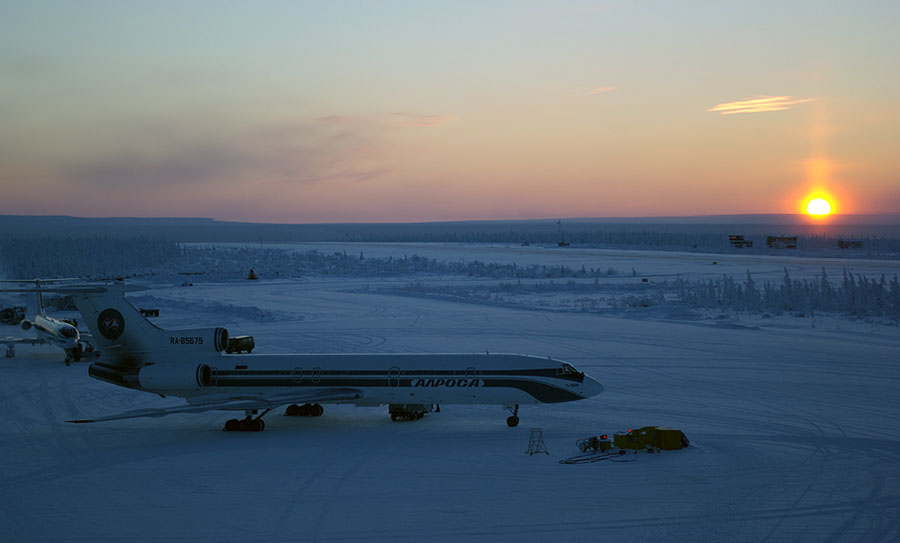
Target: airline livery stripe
307 372
543 392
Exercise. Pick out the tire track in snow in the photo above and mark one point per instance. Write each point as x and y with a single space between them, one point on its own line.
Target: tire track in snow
524 531
827 453
323 508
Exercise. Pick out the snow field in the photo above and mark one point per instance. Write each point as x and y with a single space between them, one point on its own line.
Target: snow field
793 430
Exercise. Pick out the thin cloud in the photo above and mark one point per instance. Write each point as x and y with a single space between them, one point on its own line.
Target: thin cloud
593 91
397 119
294 153
760 104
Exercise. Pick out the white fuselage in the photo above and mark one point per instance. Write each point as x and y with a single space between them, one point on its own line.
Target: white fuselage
501 379
57 332
411 378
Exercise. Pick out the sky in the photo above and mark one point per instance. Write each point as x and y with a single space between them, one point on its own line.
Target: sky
345 111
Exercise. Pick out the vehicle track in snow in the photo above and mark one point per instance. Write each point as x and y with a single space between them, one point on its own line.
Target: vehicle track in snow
825 446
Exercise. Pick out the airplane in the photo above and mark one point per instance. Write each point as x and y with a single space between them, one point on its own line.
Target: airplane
50 330
190 364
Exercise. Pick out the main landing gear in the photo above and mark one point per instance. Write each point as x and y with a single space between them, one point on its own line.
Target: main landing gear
305 410
513 420
406 411
248 424
74 354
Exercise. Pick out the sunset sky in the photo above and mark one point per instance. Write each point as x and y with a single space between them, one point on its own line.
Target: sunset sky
423 111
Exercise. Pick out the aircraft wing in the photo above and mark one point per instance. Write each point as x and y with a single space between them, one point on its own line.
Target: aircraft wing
238 403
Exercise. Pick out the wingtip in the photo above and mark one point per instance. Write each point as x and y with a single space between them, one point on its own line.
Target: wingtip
81 421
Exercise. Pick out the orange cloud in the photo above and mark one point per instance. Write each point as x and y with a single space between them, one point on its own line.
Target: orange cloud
761 104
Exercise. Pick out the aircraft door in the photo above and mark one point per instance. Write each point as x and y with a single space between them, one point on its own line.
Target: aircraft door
316 374
297 375
394 381
471 378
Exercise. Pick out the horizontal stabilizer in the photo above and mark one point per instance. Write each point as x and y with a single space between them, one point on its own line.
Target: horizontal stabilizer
22 341
79 289
41 281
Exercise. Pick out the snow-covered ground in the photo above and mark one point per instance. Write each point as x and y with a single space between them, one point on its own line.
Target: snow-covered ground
793 426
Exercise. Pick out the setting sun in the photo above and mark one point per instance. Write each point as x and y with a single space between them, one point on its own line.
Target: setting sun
818 206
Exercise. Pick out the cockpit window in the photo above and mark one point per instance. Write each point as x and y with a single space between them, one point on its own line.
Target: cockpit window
68 332
567 371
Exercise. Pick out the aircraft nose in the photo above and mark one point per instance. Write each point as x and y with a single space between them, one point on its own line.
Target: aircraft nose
590 387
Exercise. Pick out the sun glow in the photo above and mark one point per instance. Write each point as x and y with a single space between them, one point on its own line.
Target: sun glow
819 207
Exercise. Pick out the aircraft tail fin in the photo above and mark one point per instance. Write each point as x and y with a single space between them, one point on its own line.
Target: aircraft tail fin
125 337
118 329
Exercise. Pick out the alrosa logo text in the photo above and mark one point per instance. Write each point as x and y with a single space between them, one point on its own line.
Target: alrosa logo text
449 383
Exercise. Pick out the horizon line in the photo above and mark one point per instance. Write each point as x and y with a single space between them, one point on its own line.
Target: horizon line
895 215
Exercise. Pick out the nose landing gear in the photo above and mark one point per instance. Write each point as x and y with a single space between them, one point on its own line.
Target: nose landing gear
513 420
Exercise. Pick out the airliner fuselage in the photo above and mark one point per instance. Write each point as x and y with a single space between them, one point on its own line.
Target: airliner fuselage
189 363
503 379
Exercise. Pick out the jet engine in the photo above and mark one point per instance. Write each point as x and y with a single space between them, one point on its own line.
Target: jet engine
162 377
26 325
221 336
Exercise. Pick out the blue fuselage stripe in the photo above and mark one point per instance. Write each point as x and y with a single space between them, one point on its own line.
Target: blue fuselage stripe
541 391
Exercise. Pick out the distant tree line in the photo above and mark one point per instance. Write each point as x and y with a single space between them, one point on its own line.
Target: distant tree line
283 263
853 295
30 257
107 257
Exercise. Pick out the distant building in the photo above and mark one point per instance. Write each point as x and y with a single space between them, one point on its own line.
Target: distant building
738 241
850 244
781 242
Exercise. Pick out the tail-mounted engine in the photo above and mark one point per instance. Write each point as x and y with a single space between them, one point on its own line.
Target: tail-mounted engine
221 335
169 377
26 325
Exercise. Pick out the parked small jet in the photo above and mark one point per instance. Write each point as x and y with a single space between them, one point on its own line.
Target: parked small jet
50 330
190 364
